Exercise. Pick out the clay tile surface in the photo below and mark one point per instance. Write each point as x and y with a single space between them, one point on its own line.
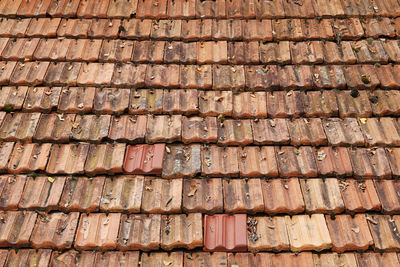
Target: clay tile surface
144 159
213 103
333 161
376 259
92 8
224 232
281 259
32 73
6 149
334 259
97 231
370 162
12 97
294 162
92 128
182 161
181 102
52 129
122 8
19 126
11 188
270 131
111 101
68 158
158 258
163 128
219 161
128 128
42 99
193 76
62 73
29 157
257 162
76 100
199 130
105 158
16 227
361 196
200 258
383 231
95 74
235 132
40 257
144 101
243 196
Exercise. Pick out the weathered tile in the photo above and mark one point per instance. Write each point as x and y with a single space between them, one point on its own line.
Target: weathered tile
199 130
6 149
111 100
257 162
20 257
387 192
249 105
145 101
16 227
180 52
214 9
91 127
257 29
335 259
214 103
227 29
384 231
202 195
84 50
12 98
42 99
353 107
282 104
29 158
381 131
129 75
31 73
360 195
267 233
128 128
296 162
294 77
144 159
95 74
104 28
370 259
306 131
270 131
370 52
180 101
235 132
68 158
370 162
164 128
105 158
166 29
76 100
162 196
345 131
181 9
140 232
195 76
122 8
82 194
333 161
228 77
158 258
378 27
13 27
136 28
116 51
19 126
43 27
148 51
307 52
220 161
63 8
73 27
6 69
388 76
243 196
212 52
92 8
321 104
280 259
181 231
182 161
21 48
163 76
261 77
11 188
62 73
308 232
51 129
97 231
282 196
361 76
122 193
322 195
197 259
55 230
243 53
329 77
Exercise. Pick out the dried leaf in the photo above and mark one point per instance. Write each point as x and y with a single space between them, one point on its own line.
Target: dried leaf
363 120
355 230
168 201
193 190
51 179
167 262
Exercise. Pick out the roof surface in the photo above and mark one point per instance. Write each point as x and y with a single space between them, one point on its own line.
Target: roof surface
199 133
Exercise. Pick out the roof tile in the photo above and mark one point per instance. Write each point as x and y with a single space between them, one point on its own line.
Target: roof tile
371 259
255 30
63 8
307 52
148 51
384 231
140 232
6 149
181 9
382 131
243 196
51 129
76 100
43 27
105 158
29 158
307 132
214 103
202 195
41 99
361 76
388 76
387 192
122 193
281 259
104 28
370 162
19 257
181 231
213 9
197 259
335 259
180 52
257 161
128 128
116 51
162 76
97 231
182 161
62 73
328 8
21 48
228 77
345 131
164 128
296 162
250 105
68 158
152 9
96 74
275 53
285 104
74 27
387 102
31 73
91 127
136 28
144 159
92 8
13 27
162 196
199 130
321 104
145 101
360 196
294 10
192 76
235 132
11 188
158 258
19 126
129 75
326 76
166 29
378 27
212 52
196 29
6 69
84 50
16 227
111 100
334 161
220 161
180 101
82 194
12 98
243 52
296 77
270 131
122 8
353 107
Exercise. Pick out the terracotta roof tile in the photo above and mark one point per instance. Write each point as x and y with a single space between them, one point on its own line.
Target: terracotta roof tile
91 127
162 196
249 105
243 196
105 158
122 193
41 193
6 149
382 131
182 161
6 69
164 128
13 27
19 257
92 8
73 27
307 132
192 76
63 8
281 259
371 259
329 77
243 52
285 104
383 230
29 158
42 99
43 27
321 104
144 159
181 231
179 52
202 195
162 76
220 162
122 8
129 75
282 196
82 194
292 77
375 28
257 29
359 195
136 28
345 131
197 129
116 51
334 161
95 73
295 162
144 101
55 230
128 128
228 77
181 9
111 100
303 52
140 232
68 158
370 162
148 51
51 129
10 8
19 49
199 258
12 98
32 73
104 28
197 29
386 103
386 190
158 258
97 231
180 101
257 162
335 259
11 188
76 100
62 73
212 103
84 50
350 107
270 131
235 132
388 76
16 227
212 52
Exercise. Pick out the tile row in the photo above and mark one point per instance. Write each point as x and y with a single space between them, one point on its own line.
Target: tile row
64 128
176 161
47 257
219 77
101 231
203 29
226 104
219 52
199 9
139 194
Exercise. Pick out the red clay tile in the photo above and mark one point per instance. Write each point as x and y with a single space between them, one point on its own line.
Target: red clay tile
12 98
382 131
249 105
29 158
82 194
123 193
270 131
164 128
211 9
307 132
317 28
215 103
285 104
243 52
68 158
129 75
97 259
178 9
275 53
388 76
145 101
122 8
97 231
370 162
182 161
16 227
20 49
267 233
136 28
228 77
195 29
140 232
392 50
20 257
31 73
128 128
328 8
116 51
84 50
111 100
335 259
193 76
6 149
55 230
91 127
62 73
67 257
41 193
370 52
13 27
349 28
235 132
148 51
282 196
288 29
51 129
370 259
162 196
224 232
361 76
255 30
3 43
293 9
163 76
280 259
76 100
19 126
332 55
197 259
243 196
105 158
63 8
42 99
11 188
393 155
180 52
158 258
295 162
349 233
34 8
43 27
199 130
307 52
308 232
321 104
6 69
74 27
152 9
345 131
166 29
333 161
257 162
220 161
296 77
378 27
353 107
329 77
212 52
92 8
181 231
202 195
322 195
144 159
104 28
387 192
360 196
180 101
96 74
383 230
387 102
